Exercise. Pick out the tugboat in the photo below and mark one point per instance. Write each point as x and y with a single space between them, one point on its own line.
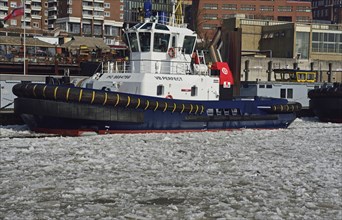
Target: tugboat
326 103
166 86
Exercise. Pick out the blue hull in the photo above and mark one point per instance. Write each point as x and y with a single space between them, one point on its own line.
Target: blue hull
46 110
153 121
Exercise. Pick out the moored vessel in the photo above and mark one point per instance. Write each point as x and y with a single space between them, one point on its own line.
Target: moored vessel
290 84
326 103
166 86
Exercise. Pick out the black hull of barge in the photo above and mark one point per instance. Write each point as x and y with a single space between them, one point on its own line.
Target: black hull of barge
326 103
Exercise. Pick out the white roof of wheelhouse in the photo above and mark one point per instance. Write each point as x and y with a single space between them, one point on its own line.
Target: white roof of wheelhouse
161 27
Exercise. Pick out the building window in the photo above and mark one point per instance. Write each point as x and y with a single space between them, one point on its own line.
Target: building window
266 8
107 14
303 19
74 28
209 26
210 16
226 16
229 7
210 6
106 5
69 10
121 16
121 7
69 2
35 24
97 30
302 44
247 8
303 9
86 29
326 42
285 8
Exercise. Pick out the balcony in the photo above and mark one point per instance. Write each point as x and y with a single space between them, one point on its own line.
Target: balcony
27 19
87 16
38 1
52 17
36 8
99 17
99 1
52 1
3 8
36 16
87 7
54 8
98 9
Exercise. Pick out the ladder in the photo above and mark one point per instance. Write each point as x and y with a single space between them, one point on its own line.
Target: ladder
201 57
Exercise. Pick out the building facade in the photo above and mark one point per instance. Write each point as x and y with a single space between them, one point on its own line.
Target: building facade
299 41
36 15
329 11
208 14
96 18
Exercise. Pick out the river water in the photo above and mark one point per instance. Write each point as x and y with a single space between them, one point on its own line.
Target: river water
293 173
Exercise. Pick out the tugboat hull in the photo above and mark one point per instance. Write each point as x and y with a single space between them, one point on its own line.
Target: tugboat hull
55 112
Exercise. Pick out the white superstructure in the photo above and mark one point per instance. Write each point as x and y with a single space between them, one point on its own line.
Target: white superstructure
161 64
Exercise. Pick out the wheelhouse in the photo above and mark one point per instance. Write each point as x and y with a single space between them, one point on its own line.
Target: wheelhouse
158 38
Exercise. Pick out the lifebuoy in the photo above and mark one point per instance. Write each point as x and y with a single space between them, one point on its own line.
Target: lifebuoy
169 97
171 52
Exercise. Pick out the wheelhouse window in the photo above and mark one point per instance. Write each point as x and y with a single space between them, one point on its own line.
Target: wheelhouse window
147 26
145 41
133 42
189 43
138 25
161 27
161 42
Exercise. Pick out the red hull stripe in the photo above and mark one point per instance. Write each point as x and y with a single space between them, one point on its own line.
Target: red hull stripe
68 132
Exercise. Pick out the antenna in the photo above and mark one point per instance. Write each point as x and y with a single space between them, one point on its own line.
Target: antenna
24 42
177 13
